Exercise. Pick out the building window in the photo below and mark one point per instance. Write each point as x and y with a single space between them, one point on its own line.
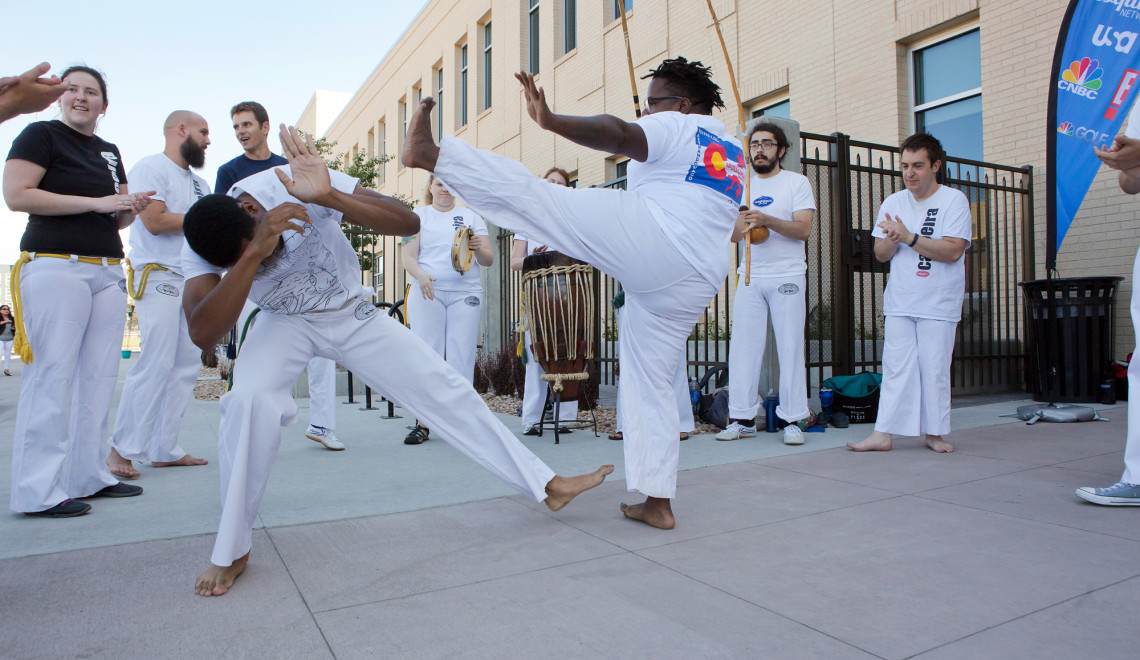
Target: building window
403 130
617 9
532 20
439 102
569 25
487 65
778 109
383 150
371 144
948 93
463 85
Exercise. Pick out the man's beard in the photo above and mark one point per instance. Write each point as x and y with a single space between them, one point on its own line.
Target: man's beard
763 168
194 155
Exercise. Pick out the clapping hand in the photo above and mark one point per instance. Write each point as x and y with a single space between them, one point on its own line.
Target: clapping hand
310 182
894 230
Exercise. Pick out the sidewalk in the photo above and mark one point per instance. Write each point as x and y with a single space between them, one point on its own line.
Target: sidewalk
386 550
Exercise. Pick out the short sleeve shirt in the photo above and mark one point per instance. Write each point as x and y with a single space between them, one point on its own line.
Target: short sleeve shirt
243 166
437 236
316 271
780 196
692 183
75 164
919 286
178 189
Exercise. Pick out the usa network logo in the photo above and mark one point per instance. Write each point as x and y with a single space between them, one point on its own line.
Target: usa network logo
1082 78
1066 128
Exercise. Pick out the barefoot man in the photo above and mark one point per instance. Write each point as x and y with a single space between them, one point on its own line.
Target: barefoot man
279 238
923 231
666 238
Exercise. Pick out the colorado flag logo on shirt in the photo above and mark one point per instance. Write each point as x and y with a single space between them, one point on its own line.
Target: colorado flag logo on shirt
719 165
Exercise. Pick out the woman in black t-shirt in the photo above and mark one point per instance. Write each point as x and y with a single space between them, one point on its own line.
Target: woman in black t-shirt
70 299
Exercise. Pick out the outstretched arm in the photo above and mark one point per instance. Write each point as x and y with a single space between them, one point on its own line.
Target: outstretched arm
311 184
601 132
28 92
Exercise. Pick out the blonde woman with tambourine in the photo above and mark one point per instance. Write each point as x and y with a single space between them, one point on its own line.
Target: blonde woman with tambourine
444 301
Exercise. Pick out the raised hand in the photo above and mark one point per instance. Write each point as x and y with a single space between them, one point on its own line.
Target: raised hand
275 222
28 92
310 182
536 105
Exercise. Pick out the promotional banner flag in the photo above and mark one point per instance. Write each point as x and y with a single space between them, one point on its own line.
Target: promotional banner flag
1096 77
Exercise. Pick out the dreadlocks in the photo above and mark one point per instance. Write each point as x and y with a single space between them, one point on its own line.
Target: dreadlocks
691 79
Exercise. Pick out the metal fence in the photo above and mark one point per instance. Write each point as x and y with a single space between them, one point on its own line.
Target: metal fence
844 328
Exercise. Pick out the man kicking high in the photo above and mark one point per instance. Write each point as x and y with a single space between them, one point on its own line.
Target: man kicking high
666 238
279 238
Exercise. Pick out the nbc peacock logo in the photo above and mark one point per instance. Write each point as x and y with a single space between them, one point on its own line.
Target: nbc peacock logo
1082 78
1065 128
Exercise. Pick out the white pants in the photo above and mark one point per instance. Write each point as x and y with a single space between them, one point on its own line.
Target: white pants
73 314
534 393
786 298
383 354
449 323
1132 444
322 380
160 384
615 231
6 355
915 396
680 393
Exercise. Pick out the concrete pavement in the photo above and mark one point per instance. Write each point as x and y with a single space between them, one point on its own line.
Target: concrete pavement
387 550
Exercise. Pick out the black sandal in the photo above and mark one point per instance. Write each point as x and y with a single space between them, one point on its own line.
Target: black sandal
418 435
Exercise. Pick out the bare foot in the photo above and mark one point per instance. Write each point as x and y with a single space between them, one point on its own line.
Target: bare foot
877 441
217 580
561 490
420 149
121 467
938 444
654 511
185 460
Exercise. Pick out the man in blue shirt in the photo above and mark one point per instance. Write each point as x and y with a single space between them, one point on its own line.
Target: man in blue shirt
251 128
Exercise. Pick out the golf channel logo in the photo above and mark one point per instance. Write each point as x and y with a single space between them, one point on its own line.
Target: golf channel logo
1066 128
1082 78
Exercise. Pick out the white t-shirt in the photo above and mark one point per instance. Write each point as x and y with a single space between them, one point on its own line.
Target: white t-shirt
318 269
780 196
918 286
178 189
437 236
531 246
692 183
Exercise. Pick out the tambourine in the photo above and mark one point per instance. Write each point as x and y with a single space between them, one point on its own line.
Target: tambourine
461 255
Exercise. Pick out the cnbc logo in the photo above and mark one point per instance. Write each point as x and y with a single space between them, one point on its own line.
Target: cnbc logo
1082 78
1066 128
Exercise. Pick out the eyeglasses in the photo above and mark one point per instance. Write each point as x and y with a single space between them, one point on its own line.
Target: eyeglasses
764 144
654 100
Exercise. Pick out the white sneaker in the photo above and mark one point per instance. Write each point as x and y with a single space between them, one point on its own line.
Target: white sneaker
324 436
736 430
793 435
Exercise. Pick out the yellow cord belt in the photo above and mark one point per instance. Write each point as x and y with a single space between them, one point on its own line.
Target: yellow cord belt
134 293
23 348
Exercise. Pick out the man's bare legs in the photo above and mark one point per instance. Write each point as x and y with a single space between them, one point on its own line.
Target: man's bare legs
879 441
654 511
121 467
420 149
561 490
185 460
217 580
939 445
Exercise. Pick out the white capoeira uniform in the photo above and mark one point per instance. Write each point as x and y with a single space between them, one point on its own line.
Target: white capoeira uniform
1132 442
680 385
666 239
449 323
312 300
922 304
159 386
534 392
779 286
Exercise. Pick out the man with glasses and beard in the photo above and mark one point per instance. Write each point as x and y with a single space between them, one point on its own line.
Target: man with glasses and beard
783 202
159 386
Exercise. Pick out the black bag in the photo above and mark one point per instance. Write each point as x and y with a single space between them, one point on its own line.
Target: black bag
857 395
714 408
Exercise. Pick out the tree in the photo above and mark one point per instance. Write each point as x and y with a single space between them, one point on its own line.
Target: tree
367 171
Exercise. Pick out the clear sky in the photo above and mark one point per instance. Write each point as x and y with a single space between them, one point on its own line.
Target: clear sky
200 56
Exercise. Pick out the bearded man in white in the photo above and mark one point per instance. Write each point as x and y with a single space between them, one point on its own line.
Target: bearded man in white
924 232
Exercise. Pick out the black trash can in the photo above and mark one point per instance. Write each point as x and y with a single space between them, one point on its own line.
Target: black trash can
1070 344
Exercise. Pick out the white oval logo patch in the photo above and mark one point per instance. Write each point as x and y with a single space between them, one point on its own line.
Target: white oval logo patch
789 289
762 201
364 310
167 289
472 301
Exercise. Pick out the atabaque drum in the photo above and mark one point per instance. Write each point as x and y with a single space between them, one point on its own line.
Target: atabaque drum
558 302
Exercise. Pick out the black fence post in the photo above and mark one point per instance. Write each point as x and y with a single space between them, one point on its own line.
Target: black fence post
842 325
